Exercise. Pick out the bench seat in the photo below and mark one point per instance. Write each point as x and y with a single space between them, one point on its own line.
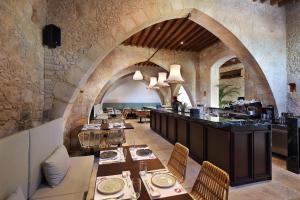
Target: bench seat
74 184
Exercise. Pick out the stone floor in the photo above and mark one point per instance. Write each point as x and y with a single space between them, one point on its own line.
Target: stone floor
284 186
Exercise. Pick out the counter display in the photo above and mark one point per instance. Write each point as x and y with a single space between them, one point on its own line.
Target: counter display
240 147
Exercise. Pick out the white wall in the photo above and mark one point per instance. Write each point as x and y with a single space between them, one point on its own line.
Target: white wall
130 91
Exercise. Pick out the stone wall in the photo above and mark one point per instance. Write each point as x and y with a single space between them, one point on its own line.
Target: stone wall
21 64
293 47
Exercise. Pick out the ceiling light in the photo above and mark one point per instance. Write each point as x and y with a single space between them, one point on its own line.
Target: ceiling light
175 75
162 77
138 76
181 42
153 82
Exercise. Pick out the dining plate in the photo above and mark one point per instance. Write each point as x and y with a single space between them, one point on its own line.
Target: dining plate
163 180
143 152
108 155
111 186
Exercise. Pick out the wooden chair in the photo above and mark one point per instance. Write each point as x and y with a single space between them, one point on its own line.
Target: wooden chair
178 162
212 183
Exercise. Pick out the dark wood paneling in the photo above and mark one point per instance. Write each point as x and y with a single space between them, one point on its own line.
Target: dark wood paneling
157 122
175 34
260 154
152 120
197 141
182 131
164 125
172 129
218 148
242 156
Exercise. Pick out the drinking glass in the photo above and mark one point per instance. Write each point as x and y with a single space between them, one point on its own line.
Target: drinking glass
136 182
143 168
125 153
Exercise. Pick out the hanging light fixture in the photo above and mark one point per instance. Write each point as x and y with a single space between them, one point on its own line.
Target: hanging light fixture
138 76
152 84
162 77
175 75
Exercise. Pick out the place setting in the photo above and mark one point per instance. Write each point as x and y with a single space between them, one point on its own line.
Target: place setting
119 186
160 183
141 153
116 125
112 156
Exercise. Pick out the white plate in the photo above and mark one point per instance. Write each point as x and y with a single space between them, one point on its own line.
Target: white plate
111 186
163 180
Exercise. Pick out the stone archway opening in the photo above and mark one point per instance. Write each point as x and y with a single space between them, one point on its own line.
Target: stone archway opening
215 80
96 54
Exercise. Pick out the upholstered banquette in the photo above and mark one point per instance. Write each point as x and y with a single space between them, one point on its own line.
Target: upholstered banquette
22 155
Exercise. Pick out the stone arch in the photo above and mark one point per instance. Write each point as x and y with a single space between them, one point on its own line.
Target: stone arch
99 50
214 80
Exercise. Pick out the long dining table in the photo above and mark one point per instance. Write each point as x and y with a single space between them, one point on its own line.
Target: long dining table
133 167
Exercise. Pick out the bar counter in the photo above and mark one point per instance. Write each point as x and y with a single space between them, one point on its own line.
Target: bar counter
240 147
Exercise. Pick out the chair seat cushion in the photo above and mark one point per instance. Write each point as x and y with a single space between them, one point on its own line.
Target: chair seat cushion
17 195
56 166
76 180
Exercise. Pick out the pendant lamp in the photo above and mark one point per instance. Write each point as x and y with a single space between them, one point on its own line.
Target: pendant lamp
162 77
138 76
152 84
175 75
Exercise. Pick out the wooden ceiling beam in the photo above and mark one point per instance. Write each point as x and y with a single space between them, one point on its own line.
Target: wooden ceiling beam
183 37
197 39
152 33
176 37
201 42
191 39
171 32
207 44
164 28
143 37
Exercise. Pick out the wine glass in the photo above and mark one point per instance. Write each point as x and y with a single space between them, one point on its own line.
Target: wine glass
143 168
124 153
136 182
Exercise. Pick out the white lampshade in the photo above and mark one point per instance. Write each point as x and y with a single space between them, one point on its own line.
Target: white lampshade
138 76
153 82
175 75
162 77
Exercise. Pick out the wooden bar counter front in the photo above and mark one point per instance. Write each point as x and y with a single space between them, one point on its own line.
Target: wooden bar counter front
240 147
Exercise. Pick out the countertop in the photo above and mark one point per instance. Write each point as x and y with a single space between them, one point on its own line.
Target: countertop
218 122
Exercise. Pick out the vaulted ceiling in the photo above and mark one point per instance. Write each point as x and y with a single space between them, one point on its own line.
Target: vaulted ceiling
177 34
276 2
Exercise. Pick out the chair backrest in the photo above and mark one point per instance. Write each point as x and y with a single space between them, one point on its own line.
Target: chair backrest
212 183
178 161
14 159
116 136
91 139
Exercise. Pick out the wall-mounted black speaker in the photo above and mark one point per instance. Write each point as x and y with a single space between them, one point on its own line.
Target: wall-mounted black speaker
51 36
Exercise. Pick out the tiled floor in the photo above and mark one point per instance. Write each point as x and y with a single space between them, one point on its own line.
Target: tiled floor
284 186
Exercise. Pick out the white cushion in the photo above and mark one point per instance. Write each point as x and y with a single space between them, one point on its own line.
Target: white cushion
17 195
14 160
77 180
44 140
56 166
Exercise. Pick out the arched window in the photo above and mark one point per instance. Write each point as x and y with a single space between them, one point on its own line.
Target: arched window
183 96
